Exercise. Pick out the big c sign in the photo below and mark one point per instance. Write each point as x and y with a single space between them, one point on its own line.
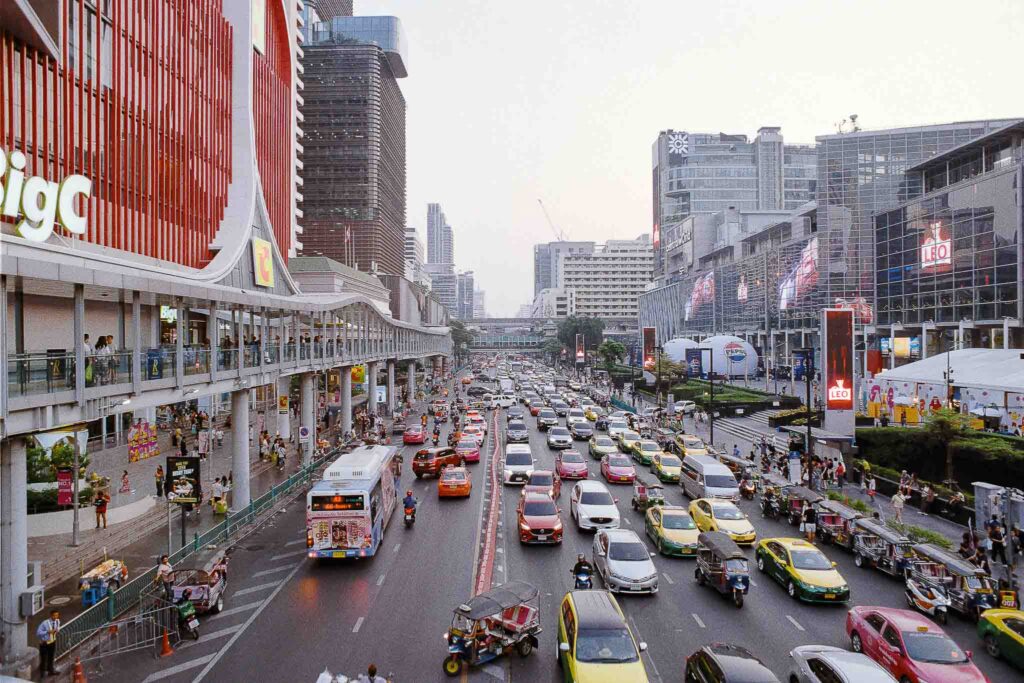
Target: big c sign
39 202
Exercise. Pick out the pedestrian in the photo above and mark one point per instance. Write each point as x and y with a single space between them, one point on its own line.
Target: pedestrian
125 485
927 498
1016 545
220 436
871 487
175 437
100 504
217 493
183 447
903 418
809 523
997 541
371 676
165 576
159 476
898 499
47 635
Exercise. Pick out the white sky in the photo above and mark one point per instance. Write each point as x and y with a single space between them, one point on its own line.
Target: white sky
511 100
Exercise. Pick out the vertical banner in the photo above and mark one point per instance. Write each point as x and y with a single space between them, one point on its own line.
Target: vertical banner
142 441
694 363
184 484
282 405
803 362
837 369
649 345
581 353
204 442
65 486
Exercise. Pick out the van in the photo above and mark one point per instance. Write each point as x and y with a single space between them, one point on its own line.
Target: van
589 622
518 464
703 476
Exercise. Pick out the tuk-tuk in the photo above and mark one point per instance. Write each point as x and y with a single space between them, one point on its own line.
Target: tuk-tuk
795 499
969 589
206 589
491 624
664 437
927 581
439 409
736 465
836 523
722 564
876 545
773 488
647 494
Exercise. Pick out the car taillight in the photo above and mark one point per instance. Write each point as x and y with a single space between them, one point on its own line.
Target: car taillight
309 538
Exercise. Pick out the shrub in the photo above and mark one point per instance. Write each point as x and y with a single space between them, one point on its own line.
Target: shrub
919 534
46 501
855 503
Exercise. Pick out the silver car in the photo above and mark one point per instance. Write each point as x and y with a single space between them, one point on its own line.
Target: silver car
623 562
827 664
559 437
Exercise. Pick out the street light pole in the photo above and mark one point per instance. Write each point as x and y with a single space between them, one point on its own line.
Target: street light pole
711 381
808 369
657 386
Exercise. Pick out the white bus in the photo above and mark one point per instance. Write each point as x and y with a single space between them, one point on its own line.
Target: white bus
349 509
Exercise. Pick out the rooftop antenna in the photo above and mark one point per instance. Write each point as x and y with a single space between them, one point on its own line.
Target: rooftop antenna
853 122
840 125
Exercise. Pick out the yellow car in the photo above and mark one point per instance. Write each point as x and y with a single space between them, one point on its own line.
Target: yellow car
803 569
666 467
644 450
1003 633
688 444
721 515
626 440
594 643
672 529
590 413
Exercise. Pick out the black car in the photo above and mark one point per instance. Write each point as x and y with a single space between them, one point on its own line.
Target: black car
722 663
547 418
601 424
581 430
516 432
561 408
515 413
477 391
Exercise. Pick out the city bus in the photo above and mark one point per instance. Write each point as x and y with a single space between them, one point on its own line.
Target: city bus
349 509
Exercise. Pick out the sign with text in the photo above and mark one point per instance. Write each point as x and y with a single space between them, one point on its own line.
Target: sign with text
837 328
649 346
282 405
936 249
65 486
40 203
694 364
184 484
142 441
581 353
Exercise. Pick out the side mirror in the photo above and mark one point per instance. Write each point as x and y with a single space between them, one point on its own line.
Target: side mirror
835 564
563 647
642 647
615 499
970 655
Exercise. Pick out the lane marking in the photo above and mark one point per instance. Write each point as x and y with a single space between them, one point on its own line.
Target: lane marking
397 546
668 578
255 589
235 610
627 521
294 553
380 580
753 583
207 637
697 619
650 658
359 625
184 666
795 623
272 570
295 542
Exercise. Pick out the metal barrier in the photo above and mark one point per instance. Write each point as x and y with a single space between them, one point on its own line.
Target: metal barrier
622 405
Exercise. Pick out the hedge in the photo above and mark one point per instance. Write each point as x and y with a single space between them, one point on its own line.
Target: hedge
46 500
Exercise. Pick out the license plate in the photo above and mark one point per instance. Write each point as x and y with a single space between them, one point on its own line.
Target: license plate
338 553
193 623
542 538
830 596
635 588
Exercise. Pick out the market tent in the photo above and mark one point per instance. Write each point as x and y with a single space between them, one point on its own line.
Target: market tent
992 369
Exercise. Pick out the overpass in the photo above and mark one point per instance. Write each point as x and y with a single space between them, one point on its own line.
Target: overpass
526 343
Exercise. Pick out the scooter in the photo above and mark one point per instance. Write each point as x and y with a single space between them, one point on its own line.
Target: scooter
770 508
928 598
747 489
410 517
187 619
583 580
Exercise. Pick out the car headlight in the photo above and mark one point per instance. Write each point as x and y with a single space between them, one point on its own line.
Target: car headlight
523 526
558 526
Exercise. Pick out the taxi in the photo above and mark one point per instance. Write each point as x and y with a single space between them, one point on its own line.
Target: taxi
689 444
803 569
672 529
601 445
468 449
467 380
616 468
626 439
721 515
476 433
1003 633
591 413
595 644
644 450
414 434
666 467
454 482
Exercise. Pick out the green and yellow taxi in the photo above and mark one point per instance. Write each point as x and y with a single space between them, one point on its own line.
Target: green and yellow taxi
595 644
690 444
644 450
591 413
601 445
805 572
1003 633
712 514
673 530
626 440
666 467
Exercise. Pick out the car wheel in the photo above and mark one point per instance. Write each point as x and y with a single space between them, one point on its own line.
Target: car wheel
218 606
992 645
855 642
791 589
858 561
760 563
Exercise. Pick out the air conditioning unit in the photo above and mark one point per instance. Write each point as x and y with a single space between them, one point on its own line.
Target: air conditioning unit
32 601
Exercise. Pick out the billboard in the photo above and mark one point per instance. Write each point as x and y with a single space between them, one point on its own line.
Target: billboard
703 292
694 364
837 330
803 362
184 484
936 249
649 344
581 353
262 262
801 279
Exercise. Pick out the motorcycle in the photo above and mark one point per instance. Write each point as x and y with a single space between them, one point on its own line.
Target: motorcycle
187 619
928 598
584 581
747 489
410 516
770 508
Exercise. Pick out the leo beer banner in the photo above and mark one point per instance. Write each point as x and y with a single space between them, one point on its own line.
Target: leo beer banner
838 371
581 354
649 344
694 364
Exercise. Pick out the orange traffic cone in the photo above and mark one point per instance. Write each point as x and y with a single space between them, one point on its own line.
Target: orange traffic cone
165 650
78 673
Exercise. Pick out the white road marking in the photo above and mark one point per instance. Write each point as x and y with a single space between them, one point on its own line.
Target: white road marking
669 579
272 570
295 542
294 553
359 625
627 521
699 622
255 589
380 580
795 623
184 666
207 637
397 546
753 583
235 610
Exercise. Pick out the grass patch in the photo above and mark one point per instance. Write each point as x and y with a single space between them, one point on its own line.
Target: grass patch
855 503
919 534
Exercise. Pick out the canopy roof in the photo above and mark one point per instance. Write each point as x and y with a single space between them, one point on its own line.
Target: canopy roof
998 369
495 600
721 545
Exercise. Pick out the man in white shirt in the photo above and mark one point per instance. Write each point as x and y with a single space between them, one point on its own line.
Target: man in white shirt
165 574
47 635
217 490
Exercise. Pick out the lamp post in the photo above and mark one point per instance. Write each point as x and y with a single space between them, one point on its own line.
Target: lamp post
808 370
657 385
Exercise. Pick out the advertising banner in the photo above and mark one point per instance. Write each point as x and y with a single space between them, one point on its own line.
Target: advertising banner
142 441
581 352
838 371
649 344
204 442
803 361
282 405
936 249
694 365
65 486
154 364
184 484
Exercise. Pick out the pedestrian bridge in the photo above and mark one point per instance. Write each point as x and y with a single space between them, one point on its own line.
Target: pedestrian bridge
507 342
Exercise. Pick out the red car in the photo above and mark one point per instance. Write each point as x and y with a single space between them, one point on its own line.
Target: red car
570 465
469 449
618 468
432 461
415 435
535 408
910 646
538 519
543 481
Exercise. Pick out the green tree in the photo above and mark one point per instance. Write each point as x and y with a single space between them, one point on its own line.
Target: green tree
611 352
944 426
592 330
461 337
42 467
552 348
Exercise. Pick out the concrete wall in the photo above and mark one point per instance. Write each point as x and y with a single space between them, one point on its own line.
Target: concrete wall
49 323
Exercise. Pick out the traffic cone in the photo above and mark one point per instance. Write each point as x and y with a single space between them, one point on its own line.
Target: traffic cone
165 650
78 673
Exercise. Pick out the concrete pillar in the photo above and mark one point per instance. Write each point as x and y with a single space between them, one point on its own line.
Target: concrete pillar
371 393
79 341
411 380
284 421
308 414
13 552
136 340
392 398
240 449
346 399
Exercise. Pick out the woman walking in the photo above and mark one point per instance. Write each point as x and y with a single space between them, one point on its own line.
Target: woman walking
159 478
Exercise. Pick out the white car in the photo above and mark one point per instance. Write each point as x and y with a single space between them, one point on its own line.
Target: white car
575 415
593 507
478 421
623 562
505 401
518 464
685 407
616 427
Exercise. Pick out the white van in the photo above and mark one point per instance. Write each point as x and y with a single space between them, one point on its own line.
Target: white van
518 464
705 477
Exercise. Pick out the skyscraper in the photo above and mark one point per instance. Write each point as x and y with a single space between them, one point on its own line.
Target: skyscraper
328 9
479 304
465 289
547 262
440 238
354 144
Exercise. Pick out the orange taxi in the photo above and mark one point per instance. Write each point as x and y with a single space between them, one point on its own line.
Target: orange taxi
454 483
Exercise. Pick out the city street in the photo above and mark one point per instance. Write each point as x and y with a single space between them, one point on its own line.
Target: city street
290 618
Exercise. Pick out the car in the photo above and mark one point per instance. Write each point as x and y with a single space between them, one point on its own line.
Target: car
626 439
535 408
432 461
623 562
515 413
1003 633
724 663
468 448
546 419
570 464
591 412
802 569
666 467
712 514
543 481
477 421
538 519
617 468
476 433
517 432
672 530
478 392
594 642
581 430
560 407
518 464
575 415
505 401
575 386
909 646
828 664
616 427
454 482
685 407
689 444
601 423
644 450
600 446
414 434
559 437
467 380
593 507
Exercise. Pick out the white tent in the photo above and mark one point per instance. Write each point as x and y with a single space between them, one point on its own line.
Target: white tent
732 356
675 349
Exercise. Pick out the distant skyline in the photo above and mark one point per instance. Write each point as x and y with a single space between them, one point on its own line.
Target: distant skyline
562 100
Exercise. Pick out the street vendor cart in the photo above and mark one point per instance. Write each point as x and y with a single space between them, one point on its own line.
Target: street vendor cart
101 579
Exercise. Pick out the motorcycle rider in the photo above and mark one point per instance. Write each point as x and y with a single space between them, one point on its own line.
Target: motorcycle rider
747 483
186 610
409 502
769 502
581 567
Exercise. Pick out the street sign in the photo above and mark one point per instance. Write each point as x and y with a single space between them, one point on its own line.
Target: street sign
303 434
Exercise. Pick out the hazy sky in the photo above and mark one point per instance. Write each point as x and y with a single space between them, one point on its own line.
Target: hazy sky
509 100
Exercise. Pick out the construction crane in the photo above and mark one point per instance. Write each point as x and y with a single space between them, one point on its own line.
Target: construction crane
562 237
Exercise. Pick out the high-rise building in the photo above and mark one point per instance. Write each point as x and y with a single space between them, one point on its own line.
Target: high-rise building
414 258
546 262
607 281
444 285
465 288
479 304
553 302
328 9
354 145
440 237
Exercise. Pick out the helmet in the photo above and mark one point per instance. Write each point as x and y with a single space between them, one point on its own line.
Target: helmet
409 492
580 557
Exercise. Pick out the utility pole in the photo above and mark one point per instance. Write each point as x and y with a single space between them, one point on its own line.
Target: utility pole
711 381
808 369
657 386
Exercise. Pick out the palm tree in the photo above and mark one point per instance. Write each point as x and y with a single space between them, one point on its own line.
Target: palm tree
944 426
